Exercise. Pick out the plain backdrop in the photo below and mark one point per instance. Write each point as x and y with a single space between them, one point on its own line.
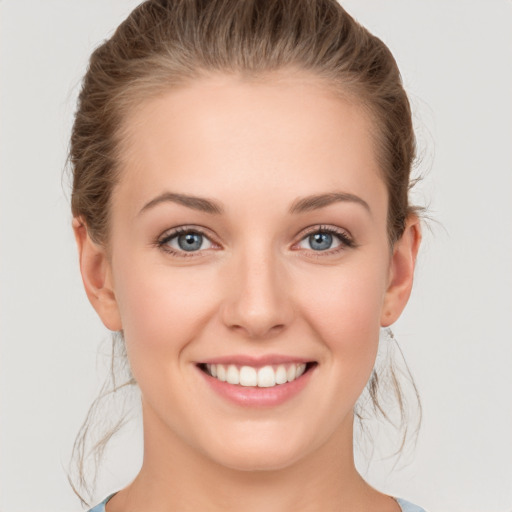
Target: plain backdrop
456 60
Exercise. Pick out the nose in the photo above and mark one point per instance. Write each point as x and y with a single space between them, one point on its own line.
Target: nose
258 303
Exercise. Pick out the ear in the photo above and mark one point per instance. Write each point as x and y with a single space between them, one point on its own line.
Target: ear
97 276
401 272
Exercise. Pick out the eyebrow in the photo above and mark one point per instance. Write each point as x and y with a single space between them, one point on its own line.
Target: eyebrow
196 203
301 205
315 202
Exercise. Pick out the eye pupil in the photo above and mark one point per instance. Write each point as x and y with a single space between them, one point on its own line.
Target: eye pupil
190 241
320 241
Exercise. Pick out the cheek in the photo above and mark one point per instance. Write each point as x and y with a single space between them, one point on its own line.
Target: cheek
161 310
344 307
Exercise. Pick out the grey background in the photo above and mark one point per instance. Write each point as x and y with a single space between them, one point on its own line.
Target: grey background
455 57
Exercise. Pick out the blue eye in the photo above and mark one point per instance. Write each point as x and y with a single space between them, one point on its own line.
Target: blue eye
190 241
325 239
186 241
320 241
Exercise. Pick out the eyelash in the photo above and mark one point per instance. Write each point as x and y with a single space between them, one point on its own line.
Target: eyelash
344 238
182 230
346 241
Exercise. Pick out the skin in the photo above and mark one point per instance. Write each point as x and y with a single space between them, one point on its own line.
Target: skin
255 148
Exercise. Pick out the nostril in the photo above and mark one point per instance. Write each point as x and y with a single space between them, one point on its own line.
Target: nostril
258 331
277 328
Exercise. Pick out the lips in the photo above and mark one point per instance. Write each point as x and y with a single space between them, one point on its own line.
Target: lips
257 382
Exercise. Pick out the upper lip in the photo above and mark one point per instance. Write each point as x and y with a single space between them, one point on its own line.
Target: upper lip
256 361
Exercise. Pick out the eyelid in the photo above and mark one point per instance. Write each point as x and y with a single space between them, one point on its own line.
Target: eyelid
163 239
345 238
343 235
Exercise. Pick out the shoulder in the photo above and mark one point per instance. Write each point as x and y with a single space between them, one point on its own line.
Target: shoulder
101 506
406 506
98 508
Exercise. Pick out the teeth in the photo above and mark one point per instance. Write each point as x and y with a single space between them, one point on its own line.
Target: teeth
291 373
221 372
265 377
233 375
248 376
281 376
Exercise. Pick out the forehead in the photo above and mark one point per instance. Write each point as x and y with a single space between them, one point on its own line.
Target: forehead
230 136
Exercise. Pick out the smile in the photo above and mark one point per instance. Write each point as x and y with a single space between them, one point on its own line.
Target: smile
264 377
257 382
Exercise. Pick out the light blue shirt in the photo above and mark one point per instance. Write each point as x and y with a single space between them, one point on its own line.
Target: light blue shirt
404 505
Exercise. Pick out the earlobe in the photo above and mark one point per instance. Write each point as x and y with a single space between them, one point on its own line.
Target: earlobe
401 272
97 276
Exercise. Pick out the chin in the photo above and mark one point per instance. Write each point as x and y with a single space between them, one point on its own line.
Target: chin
261 454
262 461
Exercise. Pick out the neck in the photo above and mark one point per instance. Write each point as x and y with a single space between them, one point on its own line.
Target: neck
174 476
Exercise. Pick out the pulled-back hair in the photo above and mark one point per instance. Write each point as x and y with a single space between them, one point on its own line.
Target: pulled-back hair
167 43
164 43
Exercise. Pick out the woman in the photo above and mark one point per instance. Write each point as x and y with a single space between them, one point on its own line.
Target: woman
240 201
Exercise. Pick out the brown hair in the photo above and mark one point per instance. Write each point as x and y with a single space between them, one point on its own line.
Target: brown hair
164 43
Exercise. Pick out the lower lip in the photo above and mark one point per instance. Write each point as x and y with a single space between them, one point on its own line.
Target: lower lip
255 396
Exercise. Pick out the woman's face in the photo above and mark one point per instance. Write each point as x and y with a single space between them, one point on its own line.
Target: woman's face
248 241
